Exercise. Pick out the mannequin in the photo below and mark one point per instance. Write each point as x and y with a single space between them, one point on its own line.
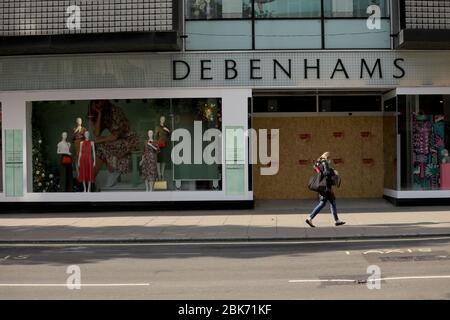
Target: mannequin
78 135
65 163
445 156
162 137
148 162
86 162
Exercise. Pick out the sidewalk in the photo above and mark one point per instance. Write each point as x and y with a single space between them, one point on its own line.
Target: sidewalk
270 220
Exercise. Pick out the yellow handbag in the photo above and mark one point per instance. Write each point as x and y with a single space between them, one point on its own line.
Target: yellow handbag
160 185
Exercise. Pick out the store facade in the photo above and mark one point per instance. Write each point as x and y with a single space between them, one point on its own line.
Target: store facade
383 114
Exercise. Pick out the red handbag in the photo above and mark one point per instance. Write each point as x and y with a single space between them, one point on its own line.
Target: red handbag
66 160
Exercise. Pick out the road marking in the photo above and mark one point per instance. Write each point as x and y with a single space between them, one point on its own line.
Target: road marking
379 279
81 285
325 280
347 252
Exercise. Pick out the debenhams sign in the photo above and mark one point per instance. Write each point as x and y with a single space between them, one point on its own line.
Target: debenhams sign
256 69
294 68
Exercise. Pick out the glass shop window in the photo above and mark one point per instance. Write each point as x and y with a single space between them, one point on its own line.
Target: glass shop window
125 145
424 126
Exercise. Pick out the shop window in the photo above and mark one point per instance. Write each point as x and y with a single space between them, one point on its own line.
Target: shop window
424 126
350 103
131 142
284 104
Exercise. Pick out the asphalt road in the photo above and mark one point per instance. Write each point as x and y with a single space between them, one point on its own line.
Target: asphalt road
418 269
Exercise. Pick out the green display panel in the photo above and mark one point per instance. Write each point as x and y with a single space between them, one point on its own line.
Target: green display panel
14 163
235 160
196 172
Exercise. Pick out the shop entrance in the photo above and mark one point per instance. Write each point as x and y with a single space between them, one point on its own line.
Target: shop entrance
362 145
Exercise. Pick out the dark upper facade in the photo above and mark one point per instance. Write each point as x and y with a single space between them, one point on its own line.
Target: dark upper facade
89 26
421 24
81 26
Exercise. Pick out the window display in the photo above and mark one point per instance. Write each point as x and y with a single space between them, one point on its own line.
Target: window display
424 126
121 145
427 146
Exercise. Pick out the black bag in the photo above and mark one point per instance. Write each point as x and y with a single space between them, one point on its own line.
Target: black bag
335 180
317 183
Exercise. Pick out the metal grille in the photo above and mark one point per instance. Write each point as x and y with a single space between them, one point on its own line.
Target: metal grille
40 17
427 14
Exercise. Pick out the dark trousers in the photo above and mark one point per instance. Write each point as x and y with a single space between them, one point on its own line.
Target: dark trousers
324 197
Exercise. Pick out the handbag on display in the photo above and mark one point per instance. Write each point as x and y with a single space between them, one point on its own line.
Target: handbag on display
160 185
66 160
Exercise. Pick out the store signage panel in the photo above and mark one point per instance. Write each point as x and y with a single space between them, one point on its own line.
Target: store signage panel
287 69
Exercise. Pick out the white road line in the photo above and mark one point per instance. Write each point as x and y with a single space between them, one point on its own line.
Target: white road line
379 279
326 280
81 285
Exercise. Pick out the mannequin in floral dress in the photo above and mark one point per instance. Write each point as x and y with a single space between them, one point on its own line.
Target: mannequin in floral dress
78 135
86 162
162 134
148 162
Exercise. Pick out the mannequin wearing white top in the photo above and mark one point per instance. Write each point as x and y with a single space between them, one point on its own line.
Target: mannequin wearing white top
63 149
63 146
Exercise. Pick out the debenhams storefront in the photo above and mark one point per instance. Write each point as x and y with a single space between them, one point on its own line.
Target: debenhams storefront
384 116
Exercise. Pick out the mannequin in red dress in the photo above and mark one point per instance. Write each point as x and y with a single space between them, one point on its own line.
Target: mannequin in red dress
86 162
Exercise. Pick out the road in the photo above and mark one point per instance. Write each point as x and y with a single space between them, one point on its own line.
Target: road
413 269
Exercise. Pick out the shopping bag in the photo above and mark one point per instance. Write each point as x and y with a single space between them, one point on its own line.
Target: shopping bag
317 183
